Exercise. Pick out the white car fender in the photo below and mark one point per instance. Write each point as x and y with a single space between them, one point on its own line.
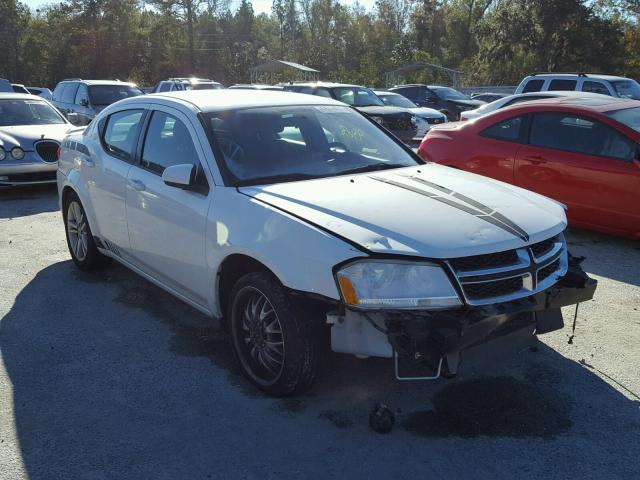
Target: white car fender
239 224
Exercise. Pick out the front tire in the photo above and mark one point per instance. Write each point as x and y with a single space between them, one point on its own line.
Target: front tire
274 343
79 238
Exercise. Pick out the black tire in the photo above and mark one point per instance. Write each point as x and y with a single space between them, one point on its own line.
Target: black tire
88 257
298 365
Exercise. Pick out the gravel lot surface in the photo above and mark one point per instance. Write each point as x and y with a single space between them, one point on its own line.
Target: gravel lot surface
104 376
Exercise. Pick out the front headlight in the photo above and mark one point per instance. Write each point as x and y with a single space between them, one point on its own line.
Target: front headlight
396 285
17 153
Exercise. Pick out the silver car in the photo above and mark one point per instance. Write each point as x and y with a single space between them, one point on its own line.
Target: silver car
31 131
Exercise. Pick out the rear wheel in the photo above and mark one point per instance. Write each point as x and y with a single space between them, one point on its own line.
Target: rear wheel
274 343
79 238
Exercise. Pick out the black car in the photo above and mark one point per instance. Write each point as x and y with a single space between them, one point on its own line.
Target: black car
400 121
446 99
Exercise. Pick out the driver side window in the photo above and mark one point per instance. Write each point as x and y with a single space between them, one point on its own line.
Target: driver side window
82 95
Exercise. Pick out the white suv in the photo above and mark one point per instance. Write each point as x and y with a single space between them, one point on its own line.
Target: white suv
285 215
593 83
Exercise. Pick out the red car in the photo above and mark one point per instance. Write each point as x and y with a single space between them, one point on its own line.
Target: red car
583 152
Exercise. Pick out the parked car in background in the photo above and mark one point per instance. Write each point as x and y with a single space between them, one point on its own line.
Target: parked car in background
81 100
488 97
445 99
400 121
180 84
253 86
41 92
620 87
286 216
19 88
5 86
31 131
519 98
425 117
582 152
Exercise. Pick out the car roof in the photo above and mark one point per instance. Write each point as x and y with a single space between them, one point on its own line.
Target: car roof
596 76
101 82
321 84
595 104
19 96
386 92
227 99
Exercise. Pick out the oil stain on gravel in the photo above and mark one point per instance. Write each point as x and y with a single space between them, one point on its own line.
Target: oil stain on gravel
494 407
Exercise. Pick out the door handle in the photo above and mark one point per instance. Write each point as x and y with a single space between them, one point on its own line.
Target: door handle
536 160
137 184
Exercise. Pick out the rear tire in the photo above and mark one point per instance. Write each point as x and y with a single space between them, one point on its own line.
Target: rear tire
79 238
274 341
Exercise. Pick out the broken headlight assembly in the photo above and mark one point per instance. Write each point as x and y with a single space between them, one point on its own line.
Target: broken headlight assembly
380 284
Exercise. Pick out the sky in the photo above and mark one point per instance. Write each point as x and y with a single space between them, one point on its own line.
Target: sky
259 6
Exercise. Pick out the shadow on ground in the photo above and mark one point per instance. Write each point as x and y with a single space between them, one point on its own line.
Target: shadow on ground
113 378
29 200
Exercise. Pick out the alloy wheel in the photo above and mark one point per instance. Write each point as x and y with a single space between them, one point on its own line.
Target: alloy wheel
77 230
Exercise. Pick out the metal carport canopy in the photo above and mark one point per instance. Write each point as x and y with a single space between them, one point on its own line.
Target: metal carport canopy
276 66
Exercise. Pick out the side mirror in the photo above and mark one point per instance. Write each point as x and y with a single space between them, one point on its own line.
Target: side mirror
180 176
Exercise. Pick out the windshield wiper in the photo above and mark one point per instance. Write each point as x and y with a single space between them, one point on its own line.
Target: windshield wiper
288 177
373 168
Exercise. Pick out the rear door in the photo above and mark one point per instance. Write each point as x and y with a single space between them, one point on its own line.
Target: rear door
167 224
585 164
107 176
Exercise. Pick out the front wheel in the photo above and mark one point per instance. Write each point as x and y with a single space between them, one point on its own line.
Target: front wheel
273 341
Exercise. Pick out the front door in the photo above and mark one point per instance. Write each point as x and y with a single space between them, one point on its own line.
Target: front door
167 224
585 164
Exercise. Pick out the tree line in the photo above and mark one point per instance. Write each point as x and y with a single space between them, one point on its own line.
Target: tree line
493 42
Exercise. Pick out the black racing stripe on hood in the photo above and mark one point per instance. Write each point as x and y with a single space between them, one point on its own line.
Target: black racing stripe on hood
483 208
471 211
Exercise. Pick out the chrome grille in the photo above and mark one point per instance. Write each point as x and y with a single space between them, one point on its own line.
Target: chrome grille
505 276
48 150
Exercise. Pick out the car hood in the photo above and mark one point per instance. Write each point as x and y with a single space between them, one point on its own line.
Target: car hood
375 110
24 136
468 103
426 112
428 210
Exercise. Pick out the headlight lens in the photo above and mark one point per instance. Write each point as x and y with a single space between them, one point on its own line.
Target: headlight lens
379 120
396 285
17 153
2 154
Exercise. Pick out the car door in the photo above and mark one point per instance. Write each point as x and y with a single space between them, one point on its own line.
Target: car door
585 164
68 98
107 177
81 104
166 223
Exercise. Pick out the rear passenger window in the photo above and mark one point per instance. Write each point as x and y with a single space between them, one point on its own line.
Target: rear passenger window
595 87
168 142
508 130
164 87
121 133
533 86
69 94
562 85
57 93
579 134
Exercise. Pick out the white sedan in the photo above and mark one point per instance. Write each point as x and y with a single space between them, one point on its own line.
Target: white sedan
285 215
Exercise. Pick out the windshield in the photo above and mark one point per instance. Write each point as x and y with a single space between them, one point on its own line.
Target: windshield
108 94
279 144
627 89
28 112
627 116
448 93
357 97
397 101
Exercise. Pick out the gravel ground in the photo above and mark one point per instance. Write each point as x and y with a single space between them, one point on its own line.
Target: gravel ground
104 376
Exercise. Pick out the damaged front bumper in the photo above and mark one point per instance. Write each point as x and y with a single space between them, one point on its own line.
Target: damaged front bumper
426 343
